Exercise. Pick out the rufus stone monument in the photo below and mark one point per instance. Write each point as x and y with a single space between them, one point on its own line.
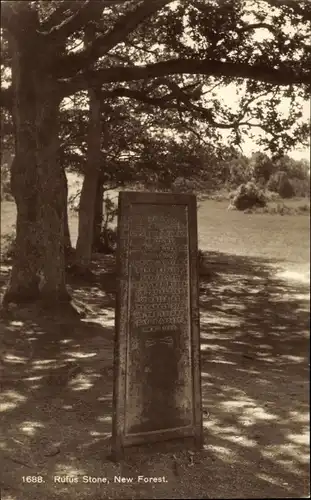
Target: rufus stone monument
157 386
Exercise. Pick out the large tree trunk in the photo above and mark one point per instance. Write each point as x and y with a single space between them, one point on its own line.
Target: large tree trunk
53 201
90 183
98 217
24 279
92 172
67 240
37 179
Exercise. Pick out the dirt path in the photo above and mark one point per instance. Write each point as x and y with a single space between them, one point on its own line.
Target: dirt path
57 388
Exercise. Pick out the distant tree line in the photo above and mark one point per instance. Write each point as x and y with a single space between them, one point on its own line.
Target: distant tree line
160 161
283 175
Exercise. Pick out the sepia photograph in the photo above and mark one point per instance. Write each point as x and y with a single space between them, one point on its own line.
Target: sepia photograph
155 249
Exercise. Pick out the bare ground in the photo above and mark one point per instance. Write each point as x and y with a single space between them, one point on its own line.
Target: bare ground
56 399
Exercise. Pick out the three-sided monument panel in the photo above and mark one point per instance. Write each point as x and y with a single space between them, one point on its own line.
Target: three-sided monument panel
157 384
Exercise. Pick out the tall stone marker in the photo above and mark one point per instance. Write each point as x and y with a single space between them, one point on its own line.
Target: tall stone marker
157 385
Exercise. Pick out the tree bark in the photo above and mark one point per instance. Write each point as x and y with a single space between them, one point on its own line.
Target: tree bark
24 279
98 217
67 239
92 172
37 178
52 197
90 184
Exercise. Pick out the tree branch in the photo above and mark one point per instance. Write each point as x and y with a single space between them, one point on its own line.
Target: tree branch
82 13
73 63
184 104
152 52
57 15
164 103
254 26
258 72
55 20
251 100
186 126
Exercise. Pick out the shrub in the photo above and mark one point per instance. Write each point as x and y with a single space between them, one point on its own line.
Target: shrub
8 245
301 187
108 240
282 209
182 185
108 235
304 209
280 183
220 195
6 194
271 195
200 258
286 189
248 196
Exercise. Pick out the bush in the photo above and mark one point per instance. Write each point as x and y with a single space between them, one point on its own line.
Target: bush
108 240
281 209
301 187
8 246
286 189
201 258
6 194
108 235
220 195
280 183
305 209
181 185
248 196
271 195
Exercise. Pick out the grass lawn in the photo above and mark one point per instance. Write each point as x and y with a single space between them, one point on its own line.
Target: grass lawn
284 238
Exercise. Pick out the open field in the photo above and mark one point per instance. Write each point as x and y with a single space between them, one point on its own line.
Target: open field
283 238
56 401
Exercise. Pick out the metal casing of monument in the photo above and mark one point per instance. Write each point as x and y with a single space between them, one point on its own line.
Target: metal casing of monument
157 381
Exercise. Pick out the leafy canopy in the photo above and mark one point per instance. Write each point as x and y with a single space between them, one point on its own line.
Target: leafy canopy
175 55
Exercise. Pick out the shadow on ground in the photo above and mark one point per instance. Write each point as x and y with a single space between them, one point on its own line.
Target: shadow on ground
57 390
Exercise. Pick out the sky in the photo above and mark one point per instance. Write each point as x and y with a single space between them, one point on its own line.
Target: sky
249 146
